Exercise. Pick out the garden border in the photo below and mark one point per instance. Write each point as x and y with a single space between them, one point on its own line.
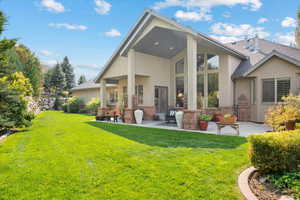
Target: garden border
243 182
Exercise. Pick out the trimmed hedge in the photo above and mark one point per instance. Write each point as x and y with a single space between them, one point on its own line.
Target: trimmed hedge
275 151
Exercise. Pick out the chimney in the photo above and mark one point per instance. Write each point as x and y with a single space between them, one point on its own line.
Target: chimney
256 43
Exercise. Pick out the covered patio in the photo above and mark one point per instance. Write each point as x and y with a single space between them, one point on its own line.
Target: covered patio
163 65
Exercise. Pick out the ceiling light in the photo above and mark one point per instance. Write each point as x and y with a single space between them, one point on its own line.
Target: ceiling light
156 43
171 48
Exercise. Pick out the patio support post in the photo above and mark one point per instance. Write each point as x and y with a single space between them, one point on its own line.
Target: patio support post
131 77
205 103
190 117
102 109
128 116
192 73
103 93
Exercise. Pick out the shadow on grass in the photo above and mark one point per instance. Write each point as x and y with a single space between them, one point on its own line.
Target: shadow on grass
170 138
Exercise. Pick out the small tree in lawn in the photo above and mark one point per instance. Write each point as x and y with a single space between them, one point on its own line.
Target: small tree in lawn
58 80
69 73
81 80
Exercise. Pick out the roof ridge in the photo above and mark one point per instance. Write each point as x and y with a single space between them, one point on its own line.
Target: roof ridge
277 43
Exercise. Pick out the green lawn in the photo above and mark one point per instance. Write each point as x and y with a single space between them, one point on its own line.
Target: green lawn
67 156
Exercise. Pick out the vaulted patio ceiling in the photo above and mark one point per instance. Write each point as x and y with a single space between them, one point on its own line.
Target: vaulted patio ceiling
167 43
162 42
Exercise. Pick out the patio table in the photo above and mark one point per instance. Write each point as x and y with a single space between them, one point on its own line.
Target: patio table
235 126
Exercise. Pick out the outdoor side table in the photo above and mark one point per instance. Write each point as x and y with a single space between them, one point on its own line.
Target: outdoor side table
235 126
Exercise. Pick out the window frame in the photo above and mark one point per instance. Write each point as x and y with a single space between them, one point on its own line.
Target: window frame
275 101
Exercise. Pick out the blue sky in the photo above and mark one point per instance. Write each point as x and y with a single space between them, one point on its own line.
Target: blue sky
88 31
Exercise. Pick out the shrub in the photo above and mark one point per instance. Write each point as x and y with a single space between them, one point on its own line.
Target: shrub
279 115
74 104
275 151
205 117
92 105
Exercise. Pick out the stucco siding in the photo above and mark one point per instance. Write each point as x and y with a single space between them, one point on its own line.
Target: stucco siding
118 68
228 64
274 68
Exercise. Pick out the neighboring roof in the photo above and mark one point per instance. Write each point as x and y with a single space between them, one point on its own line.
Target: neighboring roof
90 85
142 23
267 50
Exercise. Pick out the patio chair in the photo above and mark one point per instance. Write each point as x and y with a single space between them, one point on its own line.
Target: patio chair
170 115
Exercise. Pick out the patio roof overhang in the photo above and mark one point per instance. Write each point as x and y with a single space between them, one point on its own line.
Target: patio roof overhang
144 20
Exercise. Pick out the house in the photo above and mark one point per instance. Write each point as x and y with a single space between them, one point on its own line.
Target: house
87 91
162 64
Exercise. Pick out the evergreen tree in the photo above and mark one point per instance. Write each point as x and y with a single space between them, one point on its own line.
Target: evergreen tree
31 67
69 73
58 79
81 80
47 80
13 106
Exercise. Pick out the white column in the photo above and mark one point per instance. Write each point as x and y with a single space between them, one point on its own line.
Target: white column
103 93
205 75
131 77
192 73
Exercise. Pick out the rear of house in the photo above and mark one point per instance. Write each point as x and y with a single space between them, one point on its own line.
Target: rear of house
162 64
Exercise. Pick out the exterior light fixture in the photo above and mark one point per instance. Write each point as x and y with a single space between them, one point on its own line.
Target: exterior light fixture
156 43
171 48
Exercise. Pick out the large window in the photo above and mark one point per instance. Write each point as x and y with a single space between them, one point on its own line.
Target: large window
179 69
207 64
275 89
113 96
213 90
139 93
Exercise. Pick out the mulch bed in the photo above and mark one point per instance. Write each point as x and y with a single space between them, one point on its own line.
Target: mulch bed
263 189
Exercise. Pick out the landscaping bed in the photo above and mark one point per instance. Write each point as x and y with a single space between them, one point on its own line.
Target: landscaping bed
268 187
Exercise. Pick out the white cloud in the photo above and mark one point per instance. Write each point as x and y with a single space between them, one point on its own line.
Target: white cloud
49 62
68 26
285 38
289 22
47 53
113 33
226 39
226 14
53 6
102 7
202 15
233 30
262 20
250 4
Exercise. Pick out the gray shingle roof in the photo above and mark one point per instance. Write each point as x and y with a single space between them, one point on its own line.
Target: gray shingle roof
266 48
90 85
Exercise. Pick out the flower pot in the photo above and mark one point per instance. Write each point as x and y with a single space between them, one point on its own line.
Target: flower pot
228 120
217 117
203 125
290 125
179 116
138 114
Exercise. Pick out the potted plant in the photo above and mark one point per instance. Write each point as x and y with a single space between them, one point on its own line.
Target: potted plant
203 121
228 118
217 116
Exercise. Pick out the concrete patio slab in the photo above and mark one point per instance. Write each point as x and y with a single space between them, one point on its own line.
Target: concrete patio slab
246 128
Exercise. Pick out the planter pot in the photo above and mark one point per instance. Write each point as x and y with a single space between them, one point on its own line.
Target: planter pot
203 125
228 120
217 117
179 117
290 125
138 114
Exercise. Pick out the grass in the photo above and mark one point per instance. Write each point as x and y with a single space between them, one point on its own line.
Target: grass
67 156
